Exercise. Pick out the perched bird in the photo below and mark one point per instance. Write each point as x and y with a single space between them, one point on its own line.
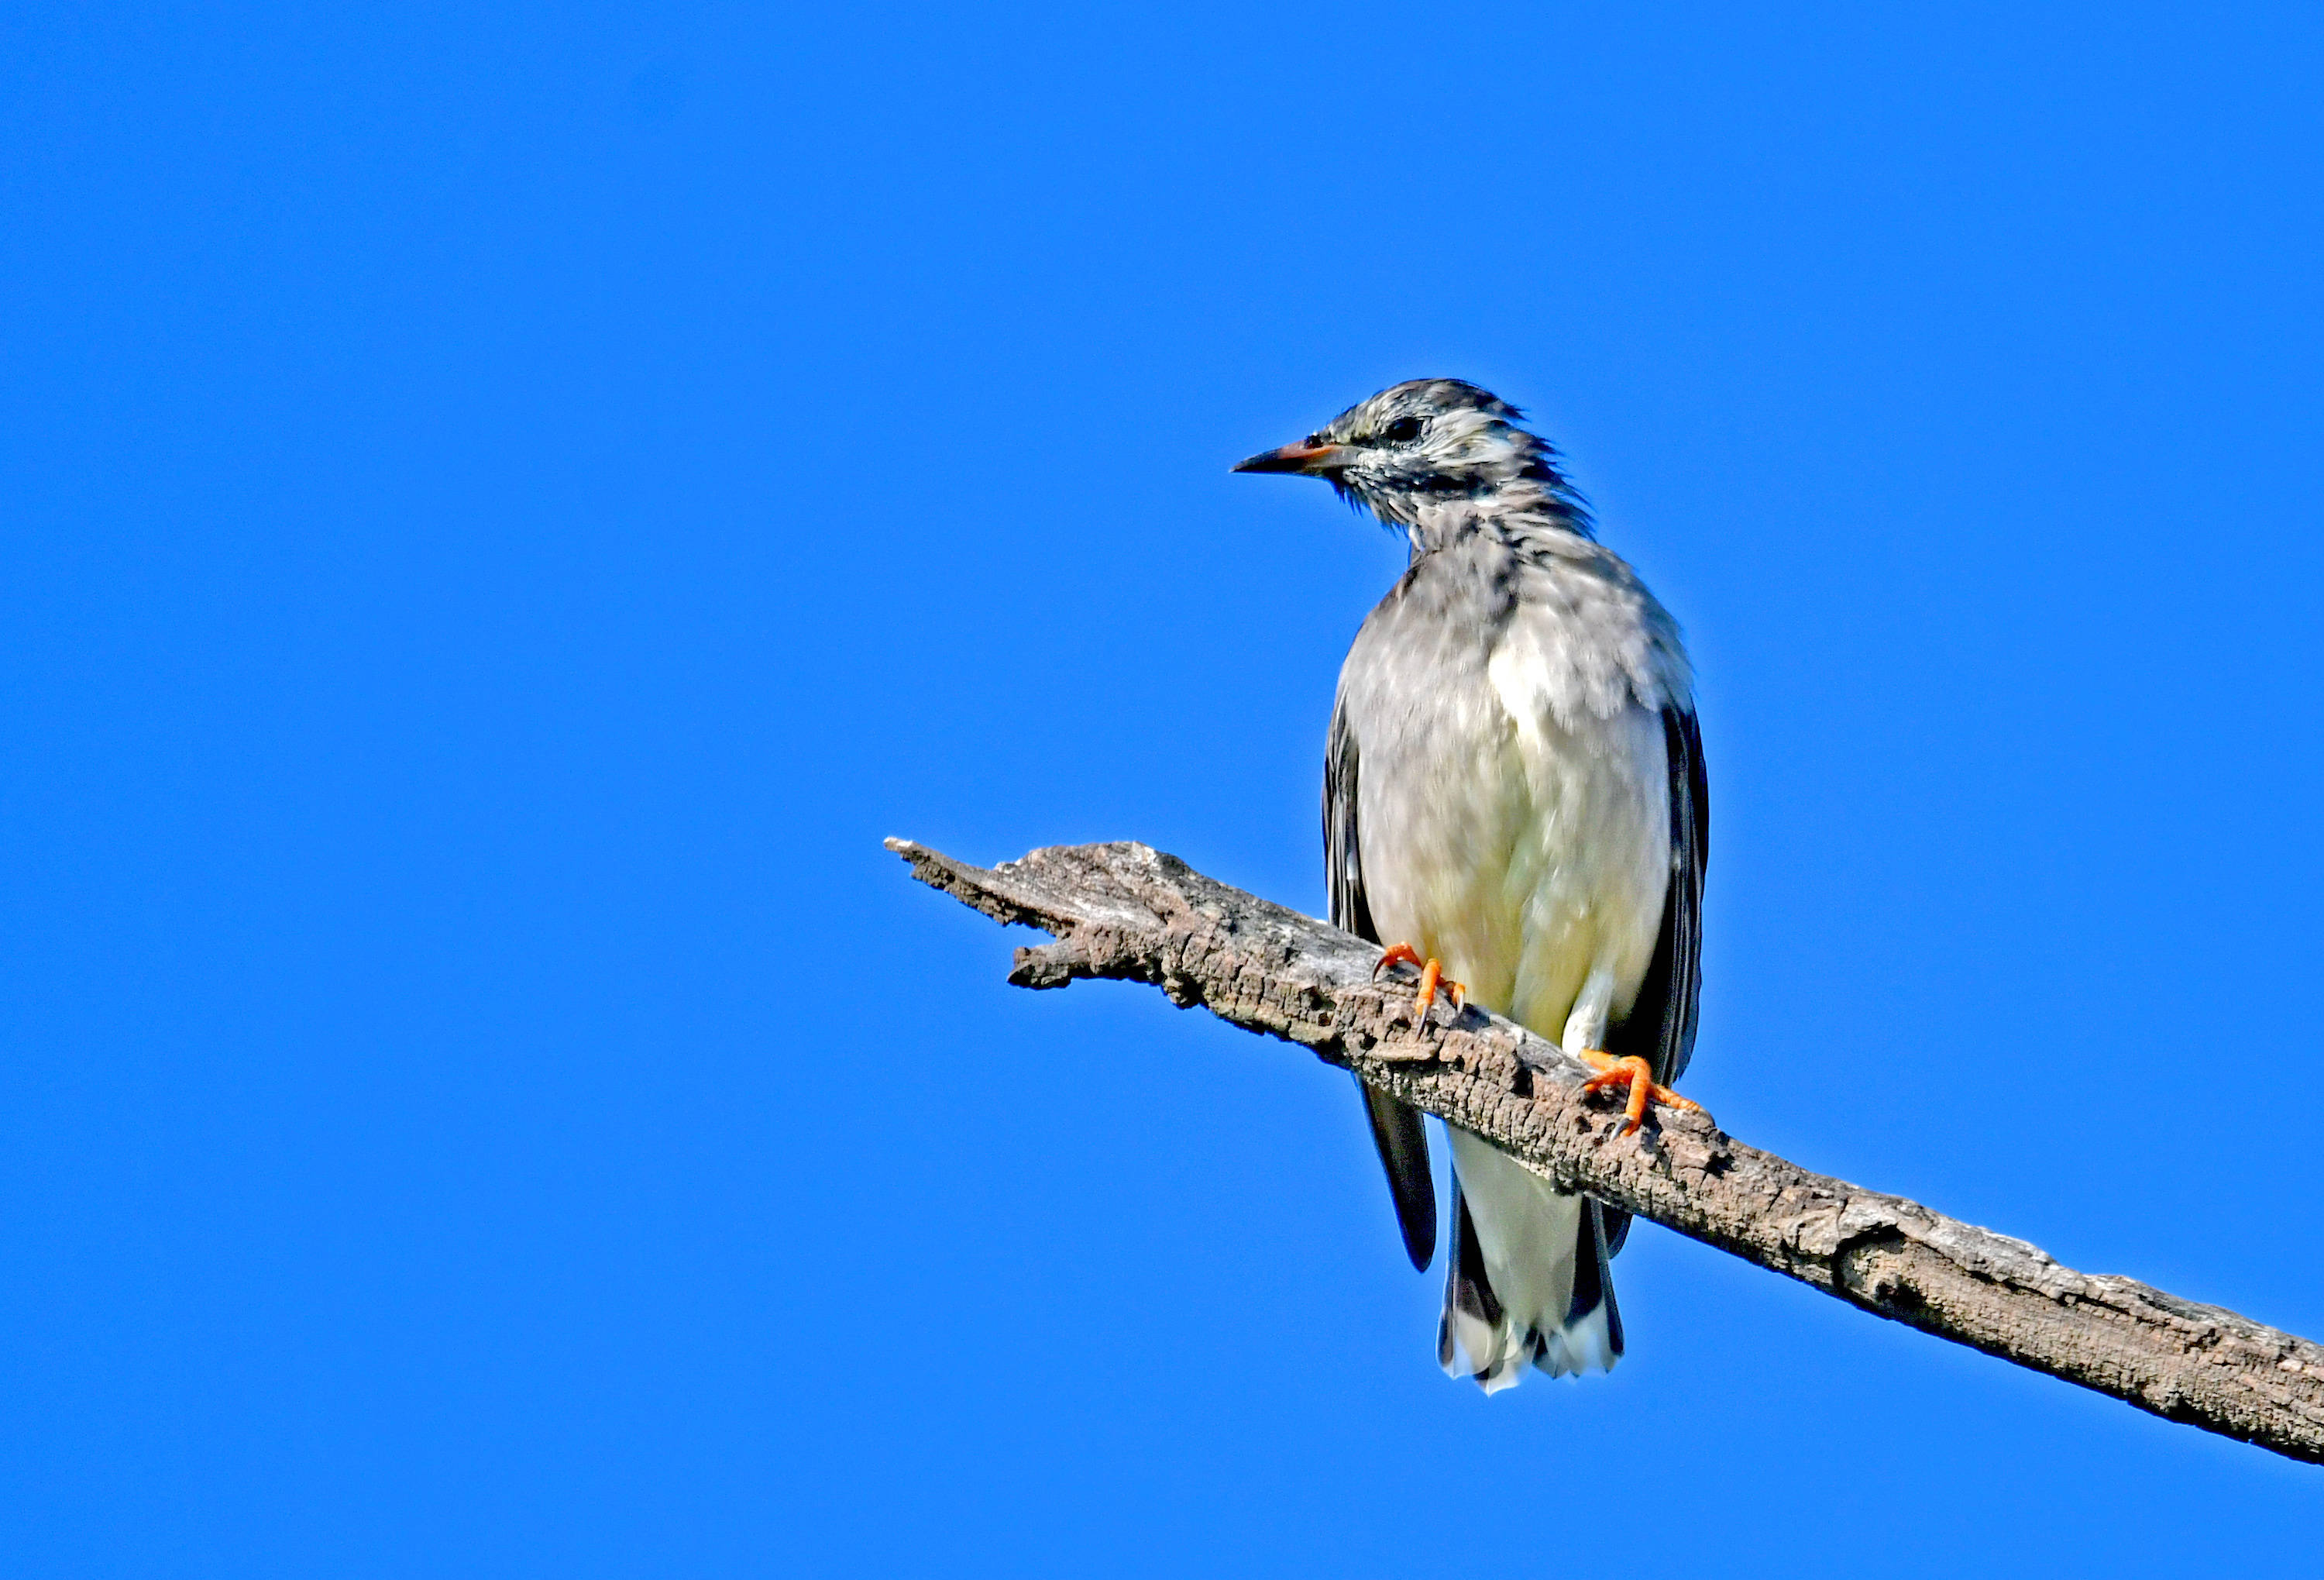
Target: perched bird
1512 794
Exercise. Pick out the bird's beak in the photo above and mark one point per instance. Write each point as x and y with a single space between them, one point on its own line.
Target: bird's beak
1314 460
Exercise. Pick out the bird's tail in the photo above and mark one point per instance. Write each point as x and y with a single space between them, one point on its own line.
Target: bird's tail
1533 1287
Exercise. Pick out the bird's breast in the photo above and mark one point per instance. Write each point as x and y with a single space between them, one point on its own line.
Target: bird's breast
1513 824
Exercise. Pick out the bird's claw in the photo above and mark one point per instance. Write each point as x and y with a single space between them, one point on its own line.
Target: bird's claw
1432 977
1638 1076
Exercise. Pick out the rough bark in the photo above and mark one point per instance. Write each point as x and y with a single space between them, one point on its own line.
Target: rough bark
1129 912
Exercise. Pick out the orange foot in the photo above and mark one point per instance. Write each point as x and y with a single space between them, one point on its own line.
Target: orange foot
1638 1076
1432 977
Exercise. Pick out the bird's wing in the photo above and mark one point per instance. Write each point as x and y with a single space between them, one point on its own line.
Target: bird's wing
1689 800
1661 1023
1396 1128
1660 1028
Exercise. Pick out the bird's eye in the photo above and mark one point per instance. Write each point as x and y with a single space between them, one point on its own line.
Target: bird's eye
1403 430
1314 442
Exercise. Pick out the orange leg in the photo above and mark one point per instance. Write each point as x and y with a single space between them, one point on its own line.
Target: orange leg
1638 1076
1432 977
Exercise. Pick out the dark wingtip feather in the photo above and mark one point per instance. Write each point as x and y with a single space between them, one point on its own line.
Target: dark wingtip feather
1403 1143
1592 1284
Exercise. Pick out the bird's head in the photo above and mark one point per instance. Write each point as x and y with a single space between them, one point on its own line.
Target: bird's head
1432 443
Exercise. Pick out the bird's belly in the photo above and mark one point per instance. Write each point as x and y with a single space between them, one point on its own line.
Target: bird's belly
1533 860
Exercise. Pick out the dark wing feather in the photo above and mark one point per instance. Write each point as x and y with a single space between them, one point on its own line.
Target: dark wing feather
1396 1128
1468 1288
1662 1025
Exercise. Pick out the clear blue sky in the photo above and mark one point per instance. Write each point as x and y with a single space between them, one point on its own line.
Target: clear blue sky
506 505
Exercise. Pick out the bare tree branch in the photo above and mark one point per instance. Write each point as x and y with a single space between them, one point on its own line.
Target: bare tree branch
1129 912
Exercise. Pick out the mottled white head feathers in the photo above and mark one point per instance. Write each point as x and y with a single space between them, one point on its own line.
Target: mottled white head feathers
1418 447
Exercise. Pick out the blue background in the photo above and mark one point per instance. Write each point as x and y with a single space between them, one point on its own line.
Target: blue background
506 505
